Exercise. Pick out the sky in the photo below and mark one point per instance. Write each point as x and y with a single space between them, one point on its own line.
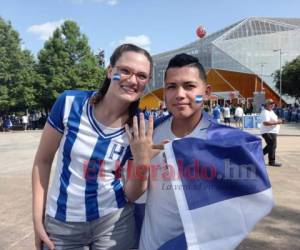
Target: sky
157 25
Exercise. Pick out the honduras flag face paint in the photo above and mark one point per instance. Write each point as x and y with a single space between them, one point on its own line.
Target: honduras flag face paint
116 77
198 98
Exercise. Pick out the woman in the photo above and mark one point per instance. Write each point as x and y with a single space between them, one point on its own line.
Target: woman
86 205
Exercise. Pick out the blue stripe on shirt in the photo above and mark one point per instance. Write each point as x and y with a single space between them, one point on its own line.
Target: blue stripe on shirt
93 168
73 125
119 193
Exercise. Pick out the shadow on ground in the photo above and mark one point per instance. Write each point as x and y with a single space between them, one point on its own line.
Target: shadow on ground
269 233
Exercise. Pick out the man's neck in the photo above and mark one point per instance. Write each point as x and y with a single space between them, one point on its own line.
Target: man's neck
182 127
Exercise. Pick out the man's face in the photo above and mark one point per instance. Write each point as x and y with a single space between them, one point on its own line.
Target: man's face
182 85
270 106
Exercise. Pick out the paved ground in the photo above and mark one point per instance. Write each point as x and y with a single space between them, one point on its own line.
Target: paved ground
291 129
279 230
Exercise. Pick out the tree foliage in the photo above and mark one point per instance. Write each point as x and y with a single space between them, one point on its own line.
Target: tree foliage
66 62
17 72
290 83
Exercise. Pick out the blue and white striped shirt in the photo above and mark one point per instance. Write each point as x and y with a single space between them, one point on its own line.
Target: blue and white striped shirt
87 183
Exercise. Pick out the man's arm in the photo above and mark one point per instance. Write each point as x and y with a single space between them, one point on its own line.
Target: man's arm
267 121
272 123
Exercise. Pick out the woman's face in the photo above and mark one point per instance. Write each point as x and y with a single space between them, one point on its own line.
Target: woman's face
129 76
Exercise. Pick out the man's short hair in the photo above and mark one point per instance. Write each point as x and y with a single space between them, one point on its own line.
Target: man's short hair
185 60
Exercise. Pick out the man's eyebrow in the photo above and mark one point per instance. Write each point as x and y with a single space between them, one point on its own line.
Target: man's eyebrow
168 83
189 82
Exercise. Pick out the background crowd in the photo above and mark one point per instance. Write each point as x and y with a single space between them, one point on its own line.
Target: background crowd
229 114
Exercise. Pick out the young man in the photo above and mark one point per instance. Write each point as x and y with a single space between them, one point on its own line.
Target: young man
269 130
185 79
185 209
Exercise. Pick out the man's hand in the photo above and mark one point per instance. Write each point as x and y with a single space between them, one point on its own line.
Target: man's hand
280 121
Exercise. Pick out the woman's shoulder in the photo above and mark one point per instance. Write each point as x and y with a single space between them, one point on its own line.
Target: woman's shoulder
78 93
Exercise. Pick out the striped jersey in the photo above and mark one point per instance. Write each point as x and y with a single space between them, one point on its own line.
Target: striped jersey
87 183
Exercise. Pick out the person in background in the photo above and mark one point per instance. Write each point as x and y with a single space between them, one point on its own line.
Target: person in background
250 109
269 130
217 113
238 116
1 122
165 112
226 114
7 123
25 121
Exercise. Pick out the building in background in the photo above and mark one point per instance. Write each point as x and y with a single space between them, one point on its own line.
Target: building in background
239 59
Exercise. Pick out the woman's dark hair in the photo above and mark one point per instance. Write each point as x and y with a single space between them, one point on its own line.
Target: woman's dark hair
133 107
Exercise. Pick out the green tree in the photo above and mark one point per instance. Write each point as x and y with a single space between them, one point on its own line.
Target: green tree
17 73
290 83
66 62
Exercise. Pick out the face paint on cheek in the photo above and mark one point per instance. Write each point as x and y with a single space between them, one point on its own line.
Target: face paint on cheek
116 77
198 99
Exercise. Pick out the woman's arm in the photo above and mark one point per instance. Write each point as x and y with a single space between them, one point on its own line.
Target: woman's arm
48 146
140 142
143 150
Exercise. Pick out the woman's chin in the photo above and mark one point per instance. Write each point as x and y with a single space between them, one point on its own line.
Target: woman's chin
129 97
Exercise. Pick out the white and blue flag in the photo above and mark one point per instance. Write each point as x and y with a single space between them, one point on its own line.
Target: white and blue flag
198 98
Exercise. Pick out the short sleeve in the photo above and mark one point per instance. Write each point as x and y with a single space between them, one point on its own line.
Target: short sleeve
55 119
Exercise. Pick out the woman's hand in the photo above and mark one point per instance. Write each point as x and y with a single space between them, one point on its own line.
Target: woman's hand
142 149
140 140
41 237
